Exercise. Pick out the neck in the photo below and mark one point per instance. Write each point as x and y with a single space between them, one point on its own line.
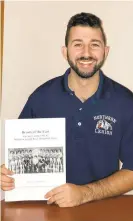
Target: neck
83 88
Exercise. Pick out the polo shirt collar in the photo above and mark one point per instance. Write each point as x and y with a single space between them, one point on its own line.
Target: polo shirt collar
99 91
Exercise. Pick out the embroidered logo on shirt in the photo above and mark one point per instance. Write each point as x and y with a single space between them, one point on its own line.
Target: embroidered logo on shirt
104 124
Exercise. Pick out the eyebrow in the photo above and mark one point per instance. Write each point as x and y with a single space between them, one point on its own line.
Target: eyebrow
77 40
93 40
96 40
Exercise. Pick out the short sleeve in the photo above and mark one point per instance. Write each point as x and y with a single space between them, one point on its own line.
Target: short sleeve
126 147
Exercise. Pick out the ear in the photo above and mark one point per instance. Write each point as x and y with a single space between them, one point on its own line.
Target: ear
64 52
107 48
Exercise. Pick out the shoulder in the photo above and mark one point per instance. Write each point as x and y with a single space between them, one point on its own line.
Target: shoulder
50 84
118 90
48 88
121 98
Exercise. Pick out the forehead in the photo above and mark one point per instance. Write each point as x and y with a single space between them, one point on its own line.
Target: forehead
85 33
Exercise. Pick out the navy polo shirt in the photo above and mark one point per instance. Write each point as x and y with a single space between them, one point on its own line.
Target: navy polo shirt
99 132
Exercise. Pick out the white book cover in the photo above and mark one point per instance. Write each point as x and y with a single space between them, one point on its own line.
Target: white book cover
35 150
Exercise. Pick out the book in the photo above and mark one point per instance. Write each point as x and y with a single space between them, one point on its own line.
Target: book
35 150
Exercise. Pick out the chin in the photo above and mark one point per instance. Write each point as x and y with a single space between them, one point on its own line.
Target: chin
85 76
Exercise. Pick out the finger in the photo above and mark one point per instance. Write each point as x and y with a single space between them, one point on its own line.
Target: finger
59 202
64 204
7 188
51 200
4 184
3 165
6 171
55 198
53 192
7 179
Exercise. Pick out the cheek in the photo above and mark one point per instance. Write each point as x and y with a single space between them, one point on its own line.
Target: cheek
74 54
99 55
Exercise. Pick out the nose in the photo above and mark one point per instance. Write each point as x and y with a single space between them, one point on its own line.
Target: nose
87 51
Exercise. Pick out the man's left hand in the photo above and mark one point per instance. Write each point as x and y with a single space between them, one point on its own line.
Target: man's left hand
68 195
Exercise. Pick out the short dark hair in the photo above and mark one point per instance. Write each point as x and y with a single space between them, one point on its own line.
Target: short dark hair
84 19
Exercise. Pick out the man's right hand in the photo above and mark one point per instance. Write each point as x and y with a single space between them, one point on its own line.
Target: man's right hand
7 183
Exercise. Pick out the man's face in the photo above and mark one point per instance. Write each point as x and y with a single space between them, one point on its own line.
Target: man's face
86 51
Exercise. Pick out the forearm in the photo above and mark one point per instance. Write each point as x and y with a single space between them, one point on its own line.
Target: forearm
116 184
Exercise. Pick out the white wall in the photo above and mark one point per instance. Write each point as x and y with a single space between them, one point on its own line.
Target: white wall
34 34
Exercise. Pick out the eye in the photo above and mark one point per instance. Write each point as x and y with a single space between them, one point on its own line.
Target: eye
78 45
95 45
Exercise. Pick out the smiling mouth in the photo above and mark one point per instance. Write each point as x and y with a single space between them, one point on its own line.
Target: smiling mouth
86 62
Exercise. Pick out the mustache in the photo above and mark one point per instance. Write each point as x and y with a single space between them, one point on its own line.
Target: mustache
85 59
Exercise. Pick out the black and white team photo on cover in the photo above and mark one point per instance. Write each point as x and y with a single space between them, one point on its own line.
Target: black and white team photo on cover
35 160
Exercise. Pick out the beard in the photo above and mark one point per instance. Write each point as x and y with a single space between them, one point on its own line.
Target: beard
84 74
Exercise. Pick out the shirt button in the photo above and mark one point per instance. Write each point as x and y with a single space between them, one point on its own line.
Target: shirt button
71 93
79 124
80 108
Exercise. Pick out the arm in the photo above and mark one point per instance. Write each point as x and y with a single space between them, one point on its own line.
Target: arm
116 184
69 195
122 181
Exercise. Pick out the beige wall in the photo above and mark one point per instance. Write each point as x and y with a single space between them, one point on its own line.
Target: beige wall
34 34
0 53
1 44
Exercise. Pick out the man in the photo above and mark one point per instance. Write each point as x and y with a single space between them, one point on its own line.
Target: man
99 119
35 163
